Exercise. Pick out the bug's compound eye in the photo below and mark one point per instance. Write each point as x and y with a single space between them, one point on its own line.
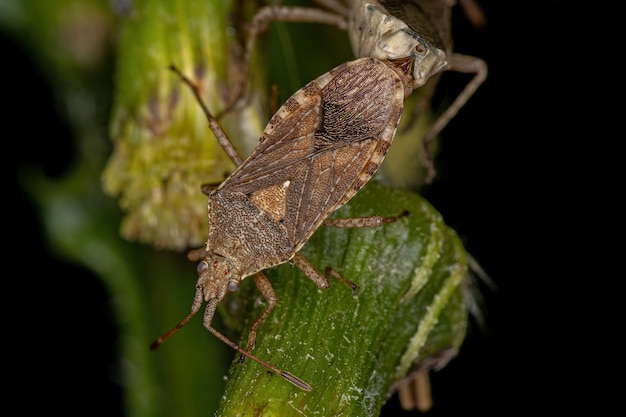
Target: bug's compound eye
201 267
233 286
420 48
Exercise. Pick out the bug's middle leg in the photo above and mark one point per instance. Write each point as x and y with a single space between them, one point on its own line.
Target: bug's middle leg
359 222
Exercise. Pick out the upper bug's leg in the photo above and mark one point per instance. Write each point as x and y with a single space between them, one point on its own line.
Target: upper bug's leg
463 64
259 24
473 12
337 6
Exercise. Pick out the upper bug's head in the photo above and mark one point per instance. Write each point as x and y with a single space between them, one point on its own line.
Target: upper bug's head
374 32
427 59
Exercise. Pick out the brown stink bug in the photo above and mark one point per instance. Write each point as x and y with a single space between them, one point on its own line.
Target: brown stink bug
317 151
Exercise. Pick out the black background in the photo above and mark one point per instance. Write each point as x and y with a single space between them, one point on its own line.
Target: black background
498 187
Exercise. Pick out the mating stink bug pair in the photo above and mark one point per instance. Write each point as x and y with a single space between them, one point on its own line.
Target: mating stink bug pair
317 151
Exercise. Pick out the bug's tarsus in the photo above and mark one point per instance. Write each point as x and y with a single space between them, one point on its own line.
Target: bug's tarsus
331 272
391 219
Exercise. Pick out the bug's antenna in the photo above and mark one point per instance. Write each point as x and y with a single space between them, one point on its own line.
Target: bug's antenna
176 328
214 125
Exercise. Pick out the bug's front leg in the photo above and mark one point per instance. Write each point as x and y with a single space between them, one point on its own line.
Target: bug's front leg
265 287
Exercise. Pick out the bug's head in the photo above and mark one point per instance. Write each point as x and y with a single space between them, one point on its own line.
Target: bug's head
216 278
